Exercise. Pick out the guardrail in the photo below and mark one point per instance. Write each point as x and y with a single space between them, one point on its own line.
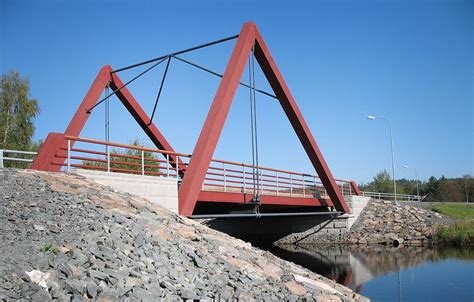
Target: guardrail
391 196
222 175
13 156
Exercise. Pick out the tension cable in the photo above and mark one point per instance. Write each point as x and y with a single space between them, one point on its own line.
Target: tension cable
124 85
159 91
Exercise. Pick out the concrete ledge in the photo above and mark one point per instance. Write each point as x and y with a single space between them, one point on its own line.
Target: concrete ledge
157 189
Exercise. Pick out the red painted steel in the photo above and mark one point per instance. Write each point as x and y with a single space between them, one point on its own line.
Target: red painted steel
191 186
241 198
143 120
282 92
104 78
190 189
53 153
47 153
355 188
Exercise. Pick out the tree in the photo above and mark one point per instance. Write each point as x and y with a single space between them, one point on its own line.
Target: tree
17 112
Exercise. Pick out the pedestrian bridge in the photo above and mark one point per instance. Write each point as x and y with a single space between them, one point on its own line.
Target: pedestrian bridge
229 188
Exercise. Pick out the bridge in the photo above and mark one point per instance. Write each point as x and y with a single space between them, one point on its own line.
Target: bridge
208 187
228 187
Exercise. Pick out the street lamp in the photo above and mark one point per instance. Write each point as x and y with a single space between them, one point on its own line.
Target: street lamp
416 177
371 117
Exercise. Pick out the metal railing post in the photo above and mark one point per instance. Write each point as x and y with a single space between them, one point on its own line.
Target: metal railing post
167 165
108 158
314 183
291 184
1 158
225 178
302 178
276 174
143 163
177 168
68 154
245 178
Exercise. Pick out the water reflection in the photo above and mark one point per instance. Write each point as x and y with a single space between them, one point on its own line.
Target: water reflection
358 267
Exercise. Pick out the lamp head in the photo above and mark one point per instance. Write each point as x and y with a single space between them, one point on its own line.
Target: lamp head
371 117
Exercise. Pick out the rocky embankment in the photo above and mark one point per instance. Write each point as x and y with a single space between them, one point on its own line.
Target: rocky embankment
67 238
389 222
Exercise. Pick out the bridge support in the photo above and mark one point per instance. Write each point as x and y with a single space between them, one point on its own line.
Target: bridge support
249 39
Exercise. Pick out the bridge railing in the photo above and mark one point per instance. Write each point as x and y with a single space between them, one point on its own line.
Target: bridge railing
16 156
222 175
391 196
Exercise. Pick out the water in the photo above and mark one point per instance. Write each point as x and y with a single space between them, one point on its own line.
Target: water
392 274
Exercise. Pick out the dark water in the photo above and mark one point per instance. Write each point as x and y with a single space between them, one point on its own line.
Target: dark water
392 274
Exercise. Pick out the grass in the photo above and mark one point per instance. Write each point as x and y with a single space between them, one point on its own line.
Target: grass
456 211
48 248
462 230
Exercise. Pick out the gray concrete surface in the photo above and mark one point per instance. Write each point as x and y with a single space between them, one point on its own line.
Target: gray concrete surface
160 190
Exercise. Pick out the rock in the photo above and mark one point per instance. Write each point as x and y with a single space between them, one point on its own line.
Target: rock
296 289
41 296
39 227
38 277
114 246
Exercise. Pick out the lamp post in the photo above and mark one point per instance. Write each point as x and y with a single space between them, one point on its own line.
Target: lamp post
416 178
371 117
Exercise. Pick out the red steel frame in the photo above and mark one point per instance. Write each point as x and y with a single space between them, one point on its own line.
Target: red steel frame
54 144
190 189
211 131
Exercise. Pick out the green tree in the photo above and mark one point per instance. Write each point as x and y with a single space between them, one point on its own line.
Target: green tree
128 159
17 112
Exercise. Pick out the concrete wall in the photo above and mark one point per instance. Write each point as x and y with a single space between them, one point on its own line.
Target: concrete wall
356 204
284 230
160 190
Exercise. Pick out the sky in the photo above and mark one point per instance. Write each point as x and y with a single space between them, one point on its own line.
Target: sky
411 62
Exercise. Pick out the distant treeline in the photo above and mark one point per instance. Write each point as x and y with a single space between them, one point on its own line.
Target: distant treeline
436 190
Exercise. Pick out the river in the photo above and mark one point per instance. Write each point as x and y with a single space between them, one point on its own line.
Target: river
391 274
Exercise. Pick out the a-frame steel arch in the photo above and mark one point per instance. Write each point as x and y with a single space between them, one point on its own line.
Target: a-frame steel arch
194 174
250 37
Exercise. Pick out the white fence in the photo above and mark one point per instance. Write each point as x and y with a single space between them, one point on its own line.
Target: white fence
16 156
391 196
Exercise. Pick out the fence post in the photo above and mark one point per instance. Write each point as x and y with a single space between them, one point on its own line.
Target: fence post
291 184
1 158
68 154
225 178
167 165
143 163
243 172
276 172
302 178
108 158
177 167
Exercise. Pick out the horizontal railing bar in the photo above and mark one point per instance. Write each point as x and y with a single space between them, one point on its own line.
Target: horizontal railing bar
18 151
18 159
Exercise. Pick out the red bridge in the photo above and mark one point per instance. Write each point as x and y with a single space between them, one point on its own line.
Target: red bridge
207 186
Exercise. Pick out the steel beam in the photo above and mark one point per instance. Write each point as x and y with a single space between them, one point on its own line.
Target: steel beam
241 198
211 131
282 92
249 36
51 147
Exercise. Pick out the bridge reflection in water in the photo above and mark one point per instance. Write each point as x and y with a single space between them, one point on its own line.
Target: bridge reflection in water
355 266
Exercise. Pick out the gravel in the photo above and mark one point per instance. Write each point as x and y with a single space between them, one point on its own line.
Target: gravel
69 239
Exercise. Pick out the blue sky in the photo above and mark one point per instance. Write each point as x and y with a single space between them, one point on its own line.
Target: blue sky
409 61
